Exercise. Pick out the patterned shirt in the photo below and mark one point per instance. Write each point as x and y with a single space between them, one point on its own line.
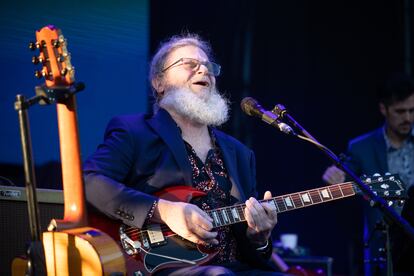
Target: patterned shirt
211 177
401 160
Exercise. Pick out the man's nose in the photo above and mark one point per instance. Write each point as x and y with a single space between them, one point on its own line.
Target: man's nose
202 69
409 116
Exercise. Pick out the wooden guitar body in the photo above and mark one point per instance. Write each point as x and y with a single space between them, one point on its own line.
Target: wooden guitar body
82 251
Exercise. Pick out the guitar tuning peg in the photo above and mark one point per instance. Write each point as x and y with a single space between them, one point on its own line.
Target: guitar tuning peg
390 203
56 43
39 74
36 60
61 58
64 71
33 45
401 202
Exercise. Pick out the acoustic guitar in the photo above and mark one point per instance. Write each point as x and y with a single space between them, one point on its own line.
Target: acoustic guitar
71 246
156 247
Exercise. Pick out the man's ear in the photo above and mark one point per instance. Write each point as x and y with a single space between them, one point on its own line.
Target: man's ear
383 109
158 85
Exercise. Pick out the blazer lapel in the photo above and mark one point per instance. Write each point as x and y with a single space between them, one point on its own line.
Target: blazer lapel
381 150
165 126
229 156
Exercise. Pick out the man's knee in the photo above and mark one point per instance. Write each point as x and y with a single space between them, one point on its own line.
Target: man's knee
216 271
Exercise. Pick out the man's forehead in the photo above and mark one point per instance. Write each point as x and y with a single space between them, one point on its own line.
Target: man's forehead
190 51
406 104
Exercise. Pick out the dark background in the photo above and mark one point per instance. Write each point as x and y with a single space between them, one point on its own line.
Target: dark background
323 60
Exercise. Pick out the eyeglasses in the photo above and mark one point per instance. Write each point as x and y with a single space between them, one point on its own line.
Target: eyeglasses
194 64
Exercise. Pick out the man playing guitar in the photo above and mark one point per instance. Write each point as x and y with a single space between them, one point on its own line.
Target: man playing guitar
175 169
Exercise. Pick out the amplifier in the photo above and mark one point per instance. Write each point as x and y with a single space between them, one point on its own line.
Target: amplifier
14 220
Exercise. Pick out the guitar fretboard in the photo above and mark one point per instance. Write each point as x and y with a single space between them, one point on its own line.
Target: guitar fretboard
234 214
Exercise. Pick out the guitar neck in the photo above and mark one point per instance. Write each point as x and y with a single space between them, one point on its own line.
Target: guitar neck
59 77
235 214
73 192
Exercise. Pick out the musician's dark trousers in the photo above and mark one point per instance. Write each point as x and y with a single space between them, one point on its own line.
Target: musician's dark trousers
215 271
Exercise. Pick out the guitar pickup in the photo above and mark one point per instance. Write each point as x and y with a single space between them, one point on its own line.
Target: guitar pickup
155 235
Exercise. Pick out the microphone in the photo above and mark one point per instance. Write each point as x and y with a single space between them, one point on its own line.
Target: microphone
252 108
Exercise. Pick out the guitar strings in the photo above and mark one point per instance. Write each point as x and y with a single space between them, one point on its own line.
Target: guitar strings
336 191
279 201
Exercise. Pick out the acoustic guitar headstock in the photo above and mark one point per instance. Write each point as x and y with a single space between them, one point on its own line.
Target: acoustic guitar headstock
54 57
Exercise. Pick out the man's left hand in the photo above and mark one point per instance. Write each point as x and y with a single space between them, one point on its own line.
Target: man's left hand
261 219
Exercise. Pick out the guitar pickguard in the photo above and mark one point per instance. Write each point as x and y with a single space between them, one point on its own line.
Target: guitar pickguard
175 247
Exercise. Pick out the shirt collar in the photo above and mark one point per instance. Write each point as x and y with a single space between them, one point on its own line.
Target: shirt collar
387 140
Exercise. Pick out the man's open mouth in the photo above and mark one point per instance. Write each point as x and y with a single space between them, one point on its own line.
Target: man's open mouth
202 83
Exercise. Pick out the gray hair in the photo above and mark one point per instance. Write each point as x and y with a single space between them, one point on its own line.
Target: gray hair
165 48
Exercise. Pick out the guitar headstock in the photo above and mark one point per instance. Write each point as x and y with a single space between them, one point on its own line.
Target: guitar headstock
390 187
54 57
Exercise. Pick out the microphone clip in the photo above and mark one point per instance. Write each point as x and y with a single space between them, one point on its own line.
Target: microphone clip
279 110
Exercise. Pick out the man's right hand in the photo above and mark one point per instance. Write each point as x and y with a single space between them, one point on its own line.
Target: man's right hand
186 220
333 175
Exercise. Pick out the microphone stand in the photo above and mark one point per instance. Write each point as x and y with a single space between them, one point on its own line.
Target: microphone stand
374 200
35 251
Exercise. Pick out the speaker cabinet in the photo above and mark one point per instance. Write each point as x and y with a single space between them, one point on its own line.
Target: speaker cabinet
14 220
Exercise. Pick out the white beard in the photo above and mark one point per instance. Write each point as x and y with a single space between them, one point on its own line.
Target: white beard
211 109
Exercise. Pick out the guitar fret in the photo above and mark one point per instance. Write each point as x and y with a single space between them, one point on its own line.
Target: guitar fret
335 191
306 198
220 216
225 217
216 219
326 195
348 190
229 215
297 200
235 214
288 202
316 196
272 202
241 212
281 204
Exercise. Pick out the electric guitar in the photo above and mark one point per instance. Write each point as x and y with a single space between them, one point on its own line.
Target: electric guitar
71 246
156 247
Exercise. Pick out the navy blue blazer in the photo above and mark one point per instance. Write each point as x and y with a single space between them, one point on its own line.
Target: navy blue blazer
142 154
367 154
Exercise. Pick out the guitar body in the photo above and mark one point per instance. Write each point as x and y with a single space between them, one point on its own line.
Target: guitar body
82 251
172 245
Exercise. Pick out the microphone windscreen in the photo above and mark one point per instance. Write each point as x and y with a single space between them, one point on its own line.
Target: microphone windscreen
248 105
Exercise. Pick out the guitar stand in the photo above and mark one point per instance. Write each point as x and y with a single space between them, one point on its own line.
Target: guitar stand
35 251
384 253
383 257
